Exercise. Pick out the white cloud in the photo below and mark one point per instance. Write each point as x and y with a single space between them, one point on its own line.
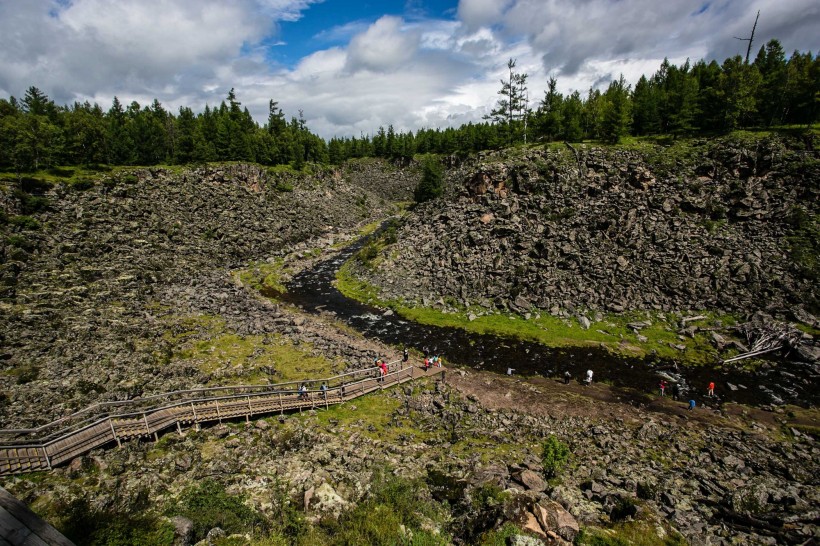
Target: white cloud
412 73
479 13
384 46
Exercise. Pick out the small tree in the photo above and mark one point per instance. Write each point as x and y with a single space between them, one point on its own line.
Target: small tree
555 456
432 181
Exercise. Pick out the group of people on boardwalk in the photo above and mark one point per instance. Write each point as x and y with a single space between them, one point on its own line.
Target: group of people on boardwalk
431 360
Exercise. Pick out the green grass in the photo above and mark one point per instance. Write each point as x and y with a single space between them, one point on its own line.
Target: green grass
266 278
633 533
206 341
611 333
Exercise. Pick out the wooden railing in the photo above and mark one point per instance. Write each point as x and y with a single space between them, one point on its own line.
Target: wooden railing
41 448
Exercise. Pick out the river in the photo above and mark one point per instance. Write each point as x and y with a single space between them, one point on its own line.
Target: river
778 381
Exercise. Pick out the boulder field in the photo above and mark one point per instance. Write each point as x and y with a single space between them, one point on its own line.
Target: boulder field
721 225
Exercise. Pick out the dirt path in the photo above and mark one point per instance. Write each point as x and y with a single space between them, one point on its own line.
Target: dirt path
541 396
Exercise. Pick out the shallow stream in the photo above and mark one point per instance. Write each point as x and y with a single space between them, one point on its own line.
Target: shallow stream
778 381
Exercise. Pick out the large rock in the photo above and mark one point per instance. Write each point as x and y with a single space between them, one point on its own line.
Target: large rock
326 501
531 480
553 517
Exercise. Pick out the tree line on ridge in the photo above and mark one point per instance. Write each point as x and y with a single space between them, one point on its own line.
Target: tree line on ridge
703 98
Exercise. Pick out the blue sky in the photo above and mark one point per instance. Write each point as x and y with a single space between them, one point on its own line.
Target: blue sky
351 67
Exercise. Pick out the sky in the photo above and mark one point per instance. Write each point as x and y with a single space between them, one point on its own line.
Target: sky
353 66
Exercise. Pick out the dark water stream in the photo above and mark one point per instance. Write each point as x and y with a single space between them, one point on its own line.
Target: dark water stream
781 381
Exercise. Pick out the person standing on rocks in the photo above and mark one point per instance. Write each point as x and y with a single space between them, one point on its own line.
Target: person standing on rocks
675 391
567 377
710 392
663 387
691 405
588 380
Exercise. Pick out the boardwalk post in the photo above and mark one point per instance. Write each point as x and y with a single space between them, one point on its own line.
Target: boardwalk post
218 415
48 461
179 428
196 421
114 432
281 406
147 428
250 411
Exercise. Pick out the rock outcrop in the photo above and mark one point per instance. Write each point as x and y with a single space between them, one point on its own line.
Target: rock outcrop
620 230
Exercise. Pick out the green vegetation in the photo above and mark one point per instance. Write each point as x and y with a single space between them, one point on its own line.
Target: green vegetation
208 505
266 278
205 341
555 455
635 533
87 526
804 242
431 184
395 512
612 331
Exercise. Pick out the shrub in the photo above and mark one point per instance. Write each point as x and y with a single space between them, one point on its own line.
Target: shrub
18 241
208 505
82 184
24 222
30 204
395 510
284 186
432 181
555 456
84 525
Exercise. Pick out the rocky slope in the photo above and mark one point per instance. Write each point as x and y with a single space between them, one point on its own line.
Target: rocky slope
95 302
708 225
475 443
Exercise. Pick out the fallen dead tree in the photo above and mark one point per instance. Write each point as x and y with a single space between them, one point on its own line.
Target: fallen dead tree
766 337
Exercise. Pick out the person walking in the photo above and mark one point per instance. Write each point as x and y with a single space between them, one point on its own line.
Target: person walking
675 391
663 387
589 377
710 392
567 377
691 405
405 356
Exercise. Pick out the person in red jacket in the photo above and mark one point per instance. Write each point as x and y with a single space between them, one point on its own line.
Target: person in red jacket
663 387
711 390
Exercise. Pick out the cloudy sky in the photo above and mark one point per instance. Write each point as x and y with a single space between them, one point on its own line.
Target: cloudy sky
353 65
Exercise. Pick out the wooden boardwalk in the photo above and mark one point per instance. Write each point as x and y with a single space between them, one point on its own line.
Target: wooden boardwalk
42 448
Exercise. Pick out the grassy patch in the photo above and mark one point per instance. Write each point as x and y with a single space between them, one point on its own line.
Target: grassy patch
255 357
206 341
634 533
611 332
266 278
208 505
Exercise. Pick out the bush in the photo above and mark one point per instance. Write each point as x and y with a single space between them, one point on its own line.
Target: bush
432 181
284 186
18 241
30 204
24 222
82 184
393 503
84 525
209 506
555 456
